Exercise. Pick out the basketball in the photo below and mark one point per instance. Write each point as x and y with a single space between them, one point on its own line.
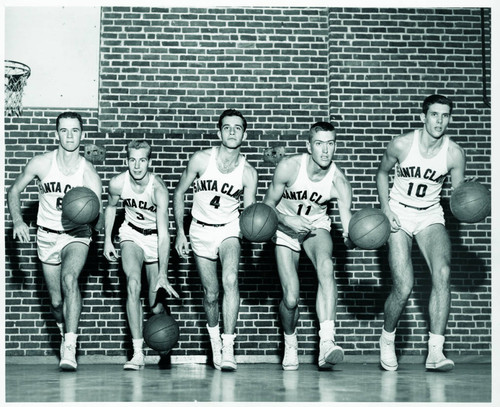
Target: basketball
258 222
161 332
470 202
369 228
80 205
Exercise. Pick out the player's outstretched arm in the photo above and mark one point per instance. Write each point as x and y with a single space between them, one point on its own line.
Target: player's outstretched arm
92 180
344 201
161 198
456 163
20 228
389 160
196 165
114 193
250 180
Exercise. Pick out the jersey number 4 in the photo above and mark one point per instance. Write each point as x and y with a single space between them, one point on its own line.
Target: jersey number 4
419 191
215 202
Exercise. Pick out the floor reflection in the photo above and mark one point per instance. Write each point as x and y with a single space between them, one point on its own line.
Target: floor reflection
259 382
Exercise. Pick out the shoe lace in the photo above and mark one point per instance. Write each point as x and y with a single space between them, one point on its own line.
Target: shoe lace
290 354
137 355
327 343
227 352
70 347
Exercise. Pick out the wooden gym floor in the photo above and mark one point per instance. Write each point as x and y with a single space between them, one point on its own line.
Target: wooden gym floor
348 382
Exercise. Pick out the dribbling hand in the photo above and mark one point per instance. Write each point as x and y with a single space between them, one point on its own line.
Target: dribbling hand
348 242
393 220
299 224
163 283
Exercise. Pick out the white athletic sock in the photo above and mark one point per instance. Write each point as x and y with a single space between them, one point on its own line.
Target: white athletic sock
228 339
327 330
70 338
137 345
436 340
60 325
213 331
388 336
291 339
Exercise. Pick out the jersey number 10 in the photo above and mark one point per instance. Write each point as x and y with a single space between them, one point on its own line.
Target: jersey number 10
419 191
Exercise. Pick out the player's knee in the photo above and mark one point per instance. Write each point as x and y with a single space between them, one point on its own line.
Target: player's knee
158 309
290 301
402 290
325 268
230 281
69 282
57 310
441 276
211 296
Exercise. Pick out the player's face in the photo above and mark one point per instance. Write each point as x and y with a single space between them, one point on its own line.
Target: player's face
436 120
138 163
69 133
322 147
231 132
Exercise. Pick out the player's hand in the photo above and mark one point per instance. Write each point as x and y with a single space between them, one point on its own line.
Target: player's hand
163 283
348 242
21 231
99 225
110 252
469 179
299 224
393 220
181 245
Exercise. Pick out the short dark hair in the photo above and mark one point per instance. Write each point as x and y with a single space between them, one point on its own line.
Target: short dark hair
137 144
232 112
320 126
430 100
69 115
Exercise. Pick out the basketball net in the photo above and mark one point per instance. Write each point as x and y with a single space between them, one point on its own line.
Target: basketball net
16 75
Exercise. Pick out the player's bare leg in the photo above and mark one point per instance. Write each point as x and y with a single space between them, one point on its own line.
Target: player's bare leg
73 257
435 245
132 261
207 270
400 244
288 264
229 253
52 275
318 247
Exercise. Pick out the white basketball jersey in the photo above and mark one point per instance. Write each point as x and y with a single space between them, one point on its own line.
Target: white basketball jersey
305 197
52 189
418 180
216 197
139 207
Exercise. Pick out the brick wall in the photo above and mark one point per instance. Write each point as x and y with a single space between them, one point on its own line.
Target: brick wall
166 75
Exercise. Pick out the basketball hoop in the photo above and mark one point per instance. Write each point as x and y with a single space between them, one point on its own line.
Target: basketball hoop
16 75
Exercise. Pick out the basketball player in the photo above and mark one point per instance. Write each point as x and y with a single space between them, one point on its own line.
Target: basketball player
221 175
301 188
423 158
144 238
62 246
